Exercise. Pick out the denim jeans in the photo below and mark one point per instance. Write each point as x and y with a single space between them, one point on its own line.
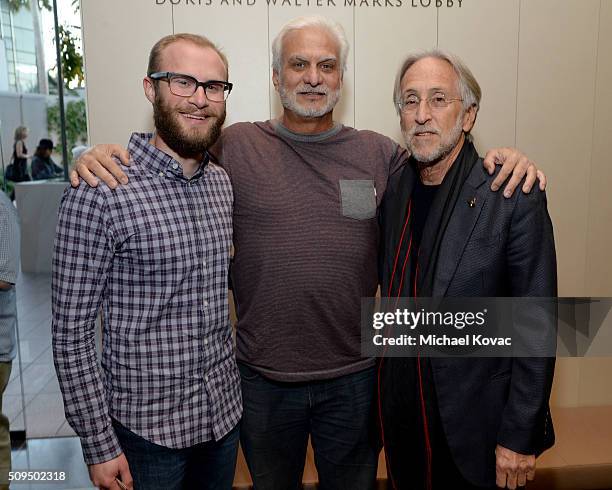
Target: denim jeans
206 466
336 413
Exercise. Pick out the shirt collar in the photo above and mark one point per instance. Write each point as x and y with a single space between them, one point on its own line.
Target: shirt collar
143 152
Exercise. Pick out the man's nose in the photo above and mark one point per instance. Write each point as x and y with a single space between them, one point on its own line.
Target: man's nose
423 112
199 97
312 76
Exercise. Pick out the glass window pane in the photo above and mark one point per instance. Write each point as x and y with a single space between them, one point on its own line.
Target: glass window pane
23 18
26 58
24 40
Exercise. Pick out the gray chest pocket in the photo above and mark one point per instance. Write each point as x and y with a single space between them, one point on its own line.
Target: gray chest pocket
358 198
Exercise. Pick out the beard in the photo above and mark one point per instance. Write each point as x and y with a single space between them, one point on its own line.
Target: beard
188 143
446 145
289 100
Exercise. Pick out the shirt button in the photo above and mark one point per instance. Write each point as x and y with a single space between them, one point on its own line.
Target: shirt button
205 341
161 174
205 303
175 166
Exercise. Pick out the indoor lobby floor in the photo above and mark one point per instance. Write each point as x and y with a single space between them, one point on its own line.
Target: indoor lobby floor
51 443
59 454
44 409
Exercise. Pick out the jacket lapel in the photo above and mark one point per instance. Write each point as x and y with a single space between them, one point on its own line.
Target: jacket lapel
460 227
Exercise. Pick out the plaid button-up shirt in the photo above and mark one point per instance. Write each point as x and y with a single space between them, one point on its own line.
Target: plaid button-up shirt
10 239
154 255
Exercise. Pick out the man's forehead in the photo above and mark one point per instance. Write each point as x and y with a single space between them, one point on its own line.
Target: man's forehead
429 73
311 41
189 58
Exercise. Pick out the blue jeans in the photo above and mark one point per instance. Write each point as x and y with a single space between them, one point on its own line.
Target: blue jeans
206 466
336 413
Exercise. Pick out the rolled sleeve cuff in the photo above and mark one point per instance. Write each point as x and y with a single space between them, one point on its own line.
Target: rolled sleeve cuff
100 448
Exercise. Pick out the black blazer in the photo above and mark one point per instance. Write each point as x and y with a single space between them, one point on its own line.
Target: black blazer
498 247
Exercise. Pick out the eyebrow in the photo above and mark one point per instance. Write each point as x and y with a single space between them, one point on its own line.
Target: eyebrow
434 89
298 57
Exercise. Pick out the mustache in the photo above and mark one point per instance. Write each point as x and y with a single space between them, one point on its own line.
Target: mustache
422 129
323 90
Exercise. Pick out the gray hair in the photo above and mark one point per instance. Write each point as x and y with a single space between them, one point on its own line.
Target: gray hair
467 84
333 27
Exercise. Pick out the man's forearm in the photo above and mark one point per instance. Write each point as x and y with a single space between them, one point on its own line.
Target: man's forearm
84 396
81 260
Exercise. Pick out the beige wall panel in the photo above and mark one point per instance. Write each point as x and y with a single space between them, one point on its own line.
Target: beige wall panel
566 383
279 15
557 54
117 38
599 238
241 31
595 386
383 37
484 34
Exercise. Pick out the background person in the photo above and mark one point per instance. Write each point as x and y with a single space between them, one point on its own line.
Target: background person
43 166
9 271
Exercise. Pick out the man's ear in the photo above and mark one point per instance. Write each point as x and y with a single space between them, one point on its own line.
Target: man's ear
149 89
275 79
469 119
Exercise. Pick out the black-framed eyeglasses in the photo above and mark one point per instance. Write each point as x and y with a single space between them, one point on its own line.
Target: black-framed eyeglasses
185 85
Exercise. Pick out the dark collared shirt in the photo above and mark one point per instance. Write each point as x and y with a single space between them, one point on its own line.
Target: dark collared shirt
154 255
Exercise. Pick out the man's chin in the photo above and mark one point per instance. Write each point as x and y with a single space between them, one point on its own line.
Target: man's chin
312 112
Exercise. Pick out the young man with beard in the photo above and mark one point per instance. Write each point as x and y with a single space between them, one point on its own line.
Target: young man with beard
163 411
461 423
306 236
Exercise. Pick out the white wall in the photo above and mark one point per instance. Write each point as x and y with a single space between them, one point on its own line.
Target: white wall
544 67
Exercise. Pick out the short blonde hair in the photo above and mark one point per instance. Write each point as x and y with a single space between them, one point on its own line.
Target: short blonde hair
20 133
164 42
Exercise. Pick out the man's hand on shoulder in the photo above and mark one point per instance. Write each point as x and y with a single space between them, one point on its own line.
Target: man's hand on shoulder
515 166
105 475
98 163
512 469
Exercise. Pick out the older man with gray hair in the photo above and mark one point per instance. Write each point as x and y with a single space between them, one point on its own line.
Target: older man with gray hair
460 423
306 189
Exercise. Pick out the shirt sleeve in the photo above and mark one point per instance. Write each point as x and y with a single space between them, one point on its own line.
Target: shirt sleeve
532 269
218 152
9 243
81 259
58 169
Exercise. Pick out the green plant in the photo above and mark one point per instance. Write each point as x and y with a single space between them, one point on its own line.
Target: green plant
72 60
9 184
15 5
76 123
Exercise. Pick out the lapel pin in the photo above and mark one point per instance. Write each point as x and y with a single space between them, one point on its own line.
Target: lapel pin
472 202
